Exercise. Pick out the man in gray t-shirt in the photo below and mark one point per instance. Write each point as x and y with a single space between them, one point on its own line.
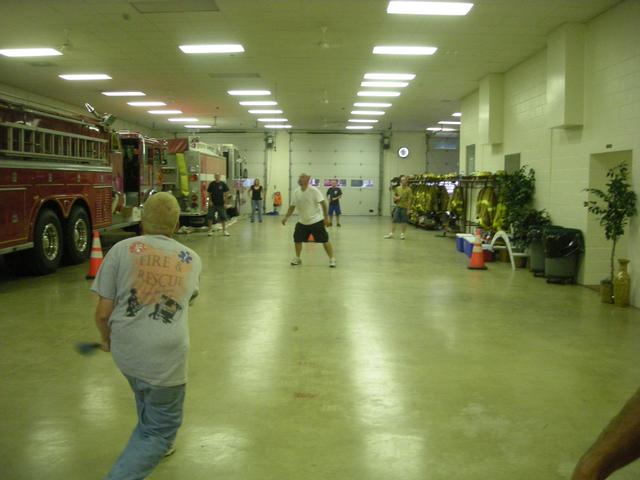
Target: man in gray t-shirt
145 285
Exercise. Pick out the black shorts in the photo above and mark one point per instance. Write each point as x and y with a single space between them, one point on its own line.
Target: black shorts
302 232
220 210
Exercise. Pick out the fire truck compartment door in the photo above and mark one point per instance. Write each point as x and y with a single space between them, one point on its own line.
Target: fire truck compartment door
183 175
13 221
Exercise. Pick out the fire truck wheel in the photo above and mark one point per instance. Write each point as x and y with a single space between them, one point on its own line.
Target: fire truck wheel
47 240
77 236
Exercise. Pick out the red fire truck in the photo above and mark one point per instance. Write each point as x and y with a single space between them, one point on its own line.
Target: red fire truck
62 176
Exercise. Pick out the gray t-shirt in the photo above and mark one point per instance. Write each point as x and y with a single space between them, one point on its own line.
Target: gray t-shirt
151 280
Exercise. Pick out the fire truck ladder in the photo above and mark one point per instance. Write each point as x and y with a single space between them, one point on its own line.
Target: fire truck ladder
29 142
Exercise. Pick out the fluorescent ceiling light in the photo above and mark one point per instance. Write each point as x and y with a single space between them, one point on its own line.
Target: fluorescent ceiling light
429 8
218 48
273 120
362 120
446 122
85 76
277 126
266 112
30 52
258 103
384 84
123 94
457 114
441 129
367 112
373 93
254 93
372 104
400 50
183 119
359 127
197 126
165 112
389 76
146 104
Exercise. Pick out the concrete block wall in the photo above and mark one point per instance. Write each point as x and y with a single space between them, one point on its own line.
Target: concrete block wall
566 159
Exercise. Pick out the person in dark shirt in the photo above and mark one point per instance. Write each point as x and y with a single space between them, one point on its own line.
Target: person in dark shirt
219 193
257 196
334 194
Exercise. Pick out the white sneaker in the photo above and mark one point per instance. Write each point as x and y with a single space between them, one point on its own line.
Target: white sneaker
296 261
210 233
389 235
226 234
402 236
332 263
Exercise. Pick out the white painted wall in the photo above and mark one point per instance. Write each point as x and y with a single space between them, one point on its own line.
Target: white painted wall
561 157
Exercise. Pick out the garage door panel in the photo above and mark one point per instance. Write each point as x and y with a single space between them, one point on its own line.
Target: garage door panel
340 156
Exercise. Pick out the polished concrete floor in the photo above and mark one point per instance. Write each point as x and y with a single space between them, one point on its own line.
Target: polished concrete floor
398 364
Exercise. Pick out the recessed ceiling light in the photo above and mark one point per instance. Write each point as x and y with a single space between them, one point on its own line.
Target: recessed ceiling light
277 126
372 104
384 84
146 104
165 112
123 94
367 112
403 50
218 48
447 122
448 130
373 93
266 112
429 8
183 119
457 114
197 126
359 127
85 76
258 103
434 129
247 93
362 120
30 52
274 120
389 76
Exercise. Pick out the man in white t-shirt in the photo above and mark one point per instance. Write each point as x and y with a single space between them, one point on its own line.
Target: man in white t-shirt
312 208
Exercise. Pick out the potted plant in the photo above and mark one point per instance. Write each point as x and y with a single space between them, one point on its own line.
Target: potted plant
613 207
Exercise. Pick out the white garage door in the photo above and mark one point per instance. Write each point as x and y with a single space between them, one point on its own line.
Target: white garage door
352 159
251 146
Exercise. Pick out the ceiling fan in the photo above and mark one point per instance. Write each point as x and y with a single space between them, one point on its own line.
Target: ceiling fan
323 43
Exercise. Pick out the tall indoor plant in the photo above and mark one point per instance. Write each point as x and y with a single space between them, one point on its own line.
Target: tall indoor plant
614 207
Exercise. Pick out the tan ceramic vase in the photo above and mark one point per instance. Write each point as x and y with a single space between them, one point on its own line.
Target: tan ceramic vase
622 284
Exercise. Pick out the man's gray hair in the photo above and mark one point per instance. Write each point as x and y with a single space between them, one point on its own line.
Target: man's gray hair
160 214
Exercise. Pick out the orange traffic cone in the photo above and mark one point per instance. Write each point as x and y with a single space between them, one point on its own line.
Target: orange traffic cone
477 255
311 239
96 256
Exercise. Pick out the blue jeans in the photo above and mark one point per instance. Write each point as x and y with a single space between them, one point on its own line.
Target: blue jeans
256 205
159 417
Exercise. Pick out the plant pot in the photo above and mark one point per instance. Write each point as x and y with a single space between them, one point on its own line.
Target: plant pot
606 291
622 284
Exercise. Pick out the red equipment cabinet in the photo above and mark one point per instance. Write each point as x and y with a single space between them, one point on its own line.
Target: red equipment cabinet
57 177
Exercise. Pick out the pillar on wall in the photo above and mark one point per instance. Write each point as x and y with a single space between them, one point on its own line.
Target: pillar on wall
490 109
565 76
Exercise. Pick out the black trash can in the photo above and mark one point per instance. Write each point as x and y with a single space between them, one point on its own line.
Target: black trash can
562 248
